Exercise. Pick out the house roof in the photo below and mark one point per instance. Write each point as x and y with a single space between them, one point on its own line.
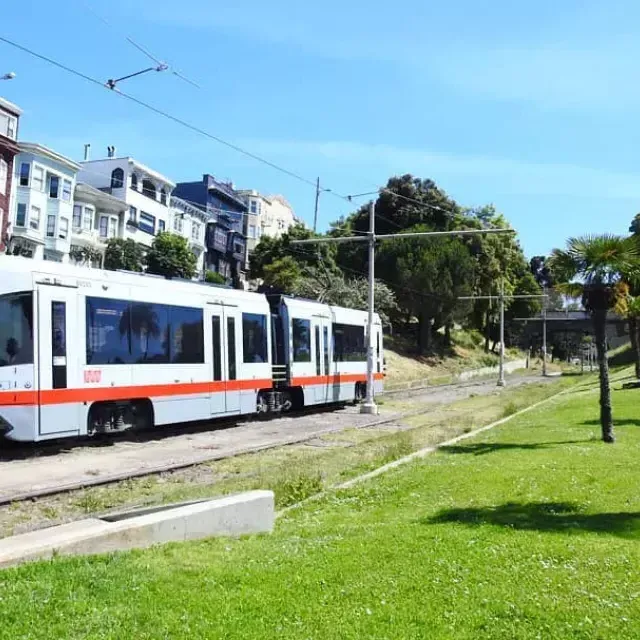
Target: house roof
9 106
138 165
41 150
84 190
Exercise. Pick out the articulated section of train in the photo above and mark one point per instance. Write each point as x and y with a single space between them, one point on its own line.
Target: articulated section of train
85 351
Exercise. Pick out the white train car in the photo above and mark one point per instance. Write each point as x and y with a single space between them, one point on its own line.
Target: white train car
327 351
86 351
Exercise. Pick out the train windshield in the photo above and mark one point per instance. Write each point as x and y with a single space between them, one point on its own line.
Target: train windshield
16 329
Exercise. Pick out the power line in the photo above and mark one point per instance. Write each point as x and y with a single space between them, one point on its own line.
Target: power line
163 113
203 132
435 296
162 66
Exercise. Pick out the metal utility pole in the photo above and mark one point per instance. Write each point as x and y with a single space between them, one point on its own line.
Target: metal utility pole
544 335
501 298
315 210
369 406
501 381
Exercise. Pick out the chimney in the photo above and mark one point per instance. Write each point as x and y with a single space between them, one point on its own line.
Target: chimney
86 151
111 152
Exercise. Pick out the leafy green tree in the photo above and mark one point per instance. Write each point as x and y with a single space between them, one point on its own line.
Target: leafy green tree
86 256
351 293
591 266
271 250
428 276
499 262
539 267
123 254
213 277
170 256
283 275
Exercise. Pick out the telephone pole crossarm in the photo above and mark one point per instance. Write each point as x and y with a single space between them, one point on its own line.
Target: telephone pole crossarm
410 234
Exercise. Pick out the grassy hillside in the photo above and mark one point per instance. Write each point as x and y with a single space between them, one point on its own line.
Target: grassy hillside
404 365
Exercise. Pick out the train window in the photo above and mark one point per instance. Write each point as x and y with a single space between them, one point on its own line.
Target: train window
107 331
187 335
149 325
254 337
217 360
16 329
59 344
318 356
301 330
348 343
325 335
231 347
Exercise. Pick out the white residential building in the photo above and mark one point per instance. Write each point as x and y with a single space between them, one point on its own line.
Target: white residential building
267 216
190 222
42 210
145 192
97 217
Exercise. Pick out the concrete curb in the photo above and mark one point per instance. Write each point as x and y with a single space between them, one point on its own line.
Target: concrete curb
246 513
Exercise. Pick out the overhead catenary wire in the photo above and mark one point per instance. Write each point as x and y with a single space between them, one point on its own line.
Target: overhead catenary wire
161 112
195 128
161 66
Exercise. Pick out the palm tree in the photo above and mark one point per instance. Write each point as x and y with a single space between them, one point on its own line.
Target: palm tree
591 267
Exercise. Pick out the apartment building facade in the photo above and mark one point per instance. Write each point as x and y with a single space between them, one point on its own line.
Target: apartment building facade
190 222
145 193
9 119
42 210
226 208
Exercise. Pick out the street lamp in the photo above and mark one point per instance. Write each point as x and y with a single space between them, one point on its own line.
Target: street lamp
8 76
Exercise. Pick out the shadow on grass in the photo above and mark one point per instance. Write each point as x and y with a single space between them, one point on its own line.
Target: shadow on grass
481 448
563 517
621 422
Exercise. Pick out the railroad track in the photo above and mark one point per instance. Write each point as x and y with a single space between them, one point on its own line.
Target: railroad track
210 456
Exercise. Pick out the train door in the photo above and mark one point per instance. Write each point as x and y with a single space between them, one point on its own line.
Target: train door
321 352
58 359
232 337
225 396
218 361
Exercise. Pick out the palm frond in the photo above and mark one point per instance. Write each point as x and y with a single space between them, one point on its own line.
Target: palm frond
601 258
570 289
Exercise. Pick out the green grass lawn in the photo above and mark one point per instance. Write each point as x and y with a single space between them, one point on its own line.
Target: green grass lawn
530 531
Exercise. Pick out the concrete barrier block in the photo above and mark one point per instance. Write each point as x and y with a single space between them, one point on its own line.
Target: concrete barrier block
247 513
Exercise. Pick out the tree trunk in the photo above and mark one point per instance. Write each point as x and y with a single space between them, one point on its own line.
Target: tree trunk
487 330
606 420
424 334
635 344
447 334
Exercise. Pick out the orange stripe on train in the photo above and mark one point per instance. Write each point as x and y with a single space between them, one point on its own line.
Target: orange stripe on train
102 394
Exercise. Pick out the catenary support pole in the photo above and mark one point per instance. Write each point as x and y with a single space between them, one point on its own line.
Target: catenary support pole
501 380
315 209
369 406
544 336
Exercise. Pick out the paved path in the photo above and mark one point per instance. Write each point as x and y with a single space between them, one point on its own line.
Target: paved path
56 467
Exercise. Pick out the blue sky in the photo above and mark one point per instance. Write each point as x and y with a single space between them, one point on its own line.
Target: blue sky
529 106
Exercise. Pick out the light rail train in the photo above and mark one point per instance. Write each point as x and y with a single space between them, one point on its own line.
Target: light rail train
85 351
